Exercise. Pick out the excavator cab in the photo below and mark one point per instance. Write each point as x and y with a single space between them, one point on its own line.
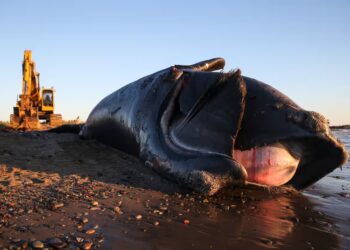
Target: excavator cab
47 100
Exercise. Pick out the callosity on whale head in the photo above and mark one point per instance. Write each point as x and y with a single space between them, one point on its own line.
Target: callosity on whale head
207 130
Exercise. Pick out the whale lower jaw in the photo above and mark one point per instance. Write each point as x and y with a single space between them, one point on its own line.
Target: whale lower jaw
271 165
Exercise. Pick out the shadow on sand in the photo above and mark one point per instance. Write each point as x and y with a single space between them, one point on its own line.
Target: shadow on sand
241 218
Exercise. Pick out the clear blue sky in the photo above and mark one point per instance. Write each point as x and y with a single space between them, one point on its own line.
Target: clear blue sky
87 49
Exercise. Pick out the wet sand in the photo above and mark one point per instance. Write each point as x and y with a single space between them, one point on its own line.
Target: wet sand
64 192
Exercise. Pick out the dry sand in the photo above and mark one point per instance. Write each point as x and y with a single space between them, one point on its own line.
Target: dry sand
57 191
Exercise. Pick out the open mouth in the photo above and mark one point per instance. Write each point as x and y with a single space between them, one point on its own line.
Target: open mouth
271 165
298 162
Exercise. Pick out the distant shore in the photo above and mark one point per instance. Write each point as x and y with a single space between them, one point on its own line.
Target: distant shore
340 127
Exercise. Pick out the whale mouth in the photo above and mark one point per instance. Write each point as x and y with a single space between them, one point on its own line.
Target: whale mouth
298 162
271 165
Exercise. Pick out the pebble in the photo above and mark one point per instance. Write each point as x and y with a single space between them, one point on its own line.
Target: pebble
56 243
100 238
24 244
90 231
138 217
37 244
16 240
95 208
87 245
117 210
56 206
28 182
79 239
84 220
164 208
78 215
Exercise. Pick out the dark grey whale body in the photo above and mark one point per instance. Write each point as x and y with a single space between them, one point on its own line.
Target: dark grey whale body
201 128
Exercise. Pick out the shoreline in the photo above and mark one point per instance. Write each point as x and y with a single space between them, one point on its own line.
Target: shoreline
340 127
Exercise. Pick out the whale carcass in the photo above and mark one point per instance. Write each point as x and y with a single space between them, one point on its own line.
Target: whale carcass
207 129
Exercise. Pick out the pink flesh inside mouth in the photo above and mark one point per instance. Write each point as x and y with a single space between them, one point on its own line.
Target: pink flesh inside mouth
270 165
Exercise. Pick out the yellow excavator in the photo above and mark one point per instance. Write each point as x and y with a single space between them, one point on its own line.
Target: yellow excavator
34 103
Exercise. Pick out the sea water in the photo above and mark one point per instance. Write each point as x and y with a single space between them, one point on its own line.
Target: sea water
332 193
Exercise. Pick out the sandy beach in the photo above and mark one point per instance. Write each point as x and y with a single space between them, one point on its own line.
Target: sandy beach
60 192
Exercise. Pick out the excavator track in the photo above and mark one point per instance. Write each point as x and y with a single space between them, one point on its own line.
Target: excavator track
55 120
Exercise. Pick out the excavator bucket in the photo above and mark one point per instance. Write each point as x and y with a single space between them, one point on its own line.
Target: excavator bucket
30 123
